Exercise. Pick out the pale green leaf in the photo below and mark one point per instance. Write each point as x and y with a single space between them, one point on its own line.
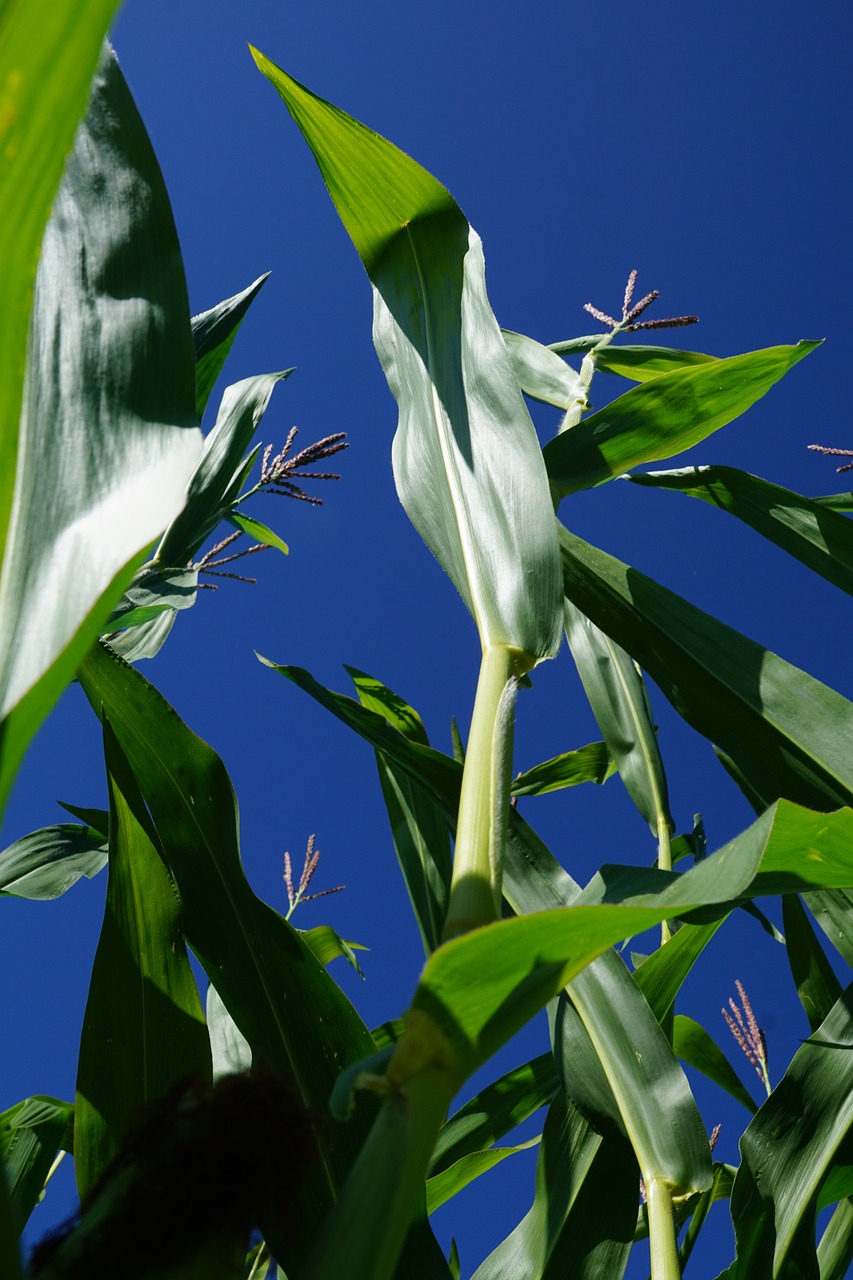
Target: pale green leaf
47 862
214 332
541 374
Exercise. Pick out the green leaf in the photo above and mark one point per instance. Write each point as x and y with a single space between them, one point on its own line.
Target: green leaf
144 641
214 332
143 1028
836 501
696 1047
443 1186
150 592
639 363
817 985
661 974
420 834
467 462
833 910
541 374
592 763
31 1135
581 1223
255 529
768 716
808 531
620 704
48 56
835 1251
46 863
790 1147
328 945
10 1260
279 995
216 481
123 446
494 1111
664 416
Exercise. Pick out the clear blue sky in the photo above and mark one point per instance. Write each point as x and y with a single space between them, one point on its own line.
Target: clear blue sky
707 146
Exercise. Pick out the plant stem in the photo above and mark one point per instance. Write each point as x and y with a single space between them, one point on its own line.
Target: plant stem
664 864
662 1243
475 891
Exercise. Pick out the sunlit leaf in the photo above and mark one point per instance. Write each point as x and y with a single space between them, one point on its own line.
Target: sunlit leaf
466 458
230 1051
31 1136
592 763
258 531
443 1186
698 1049
639 363
110 294
46 863
541 374
664 416
214 332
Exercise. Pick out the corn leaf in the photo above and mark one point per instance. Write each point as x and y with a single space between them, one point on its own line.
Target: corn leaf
110 296
420 834
698 1049
835 1251
620 704
639 363
214 332
592 763
31 1135
143 1028
770 717
664 416
230 1051
789 1149
810 532
46 863
443 1186
541 374
259 532
814 977
279 995
466 459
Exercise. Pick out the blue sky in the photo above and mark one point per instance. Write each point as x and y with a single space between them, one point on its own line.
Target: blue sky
707 146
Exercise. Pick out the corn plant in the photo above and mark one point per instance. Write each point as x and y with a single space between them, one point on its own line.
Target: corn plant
367 1131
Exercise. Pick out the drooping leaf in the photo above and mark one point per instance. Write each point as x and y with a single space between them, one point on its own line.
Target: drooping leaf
281 998
123 444
639 363
466 459
443 1186
328 945
143 1029
216 481
664 416
150 592
541 374
698 1049
420 834
46 863
620 704
214 332
770 717
581 1223
592 763
814 977
789 1148
494 1111
810 532
31 1136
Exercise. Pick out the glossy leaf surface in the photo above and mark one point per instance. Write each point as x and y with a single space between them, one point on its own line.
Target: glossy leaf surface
214 332
541 374
110 296
46 863
769 716
31 1134
466 458
664 416
639 363
143 1028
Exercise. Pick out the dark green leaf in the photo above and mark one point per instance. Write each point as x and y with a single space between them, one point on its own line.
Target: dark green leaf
494 1111
46 863
790 1147
661 974
31 1135
771 718
143 1028
835 1251
620 704
836 501
808 531
833 910
817 985
664 416
443 1186
592 763
420 834
279 995
124 446
214 332
696 1047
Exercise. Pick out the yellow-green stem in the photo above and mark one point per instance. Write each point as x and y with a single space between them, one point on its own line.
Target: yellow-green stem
664 864
662 1241
475 891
